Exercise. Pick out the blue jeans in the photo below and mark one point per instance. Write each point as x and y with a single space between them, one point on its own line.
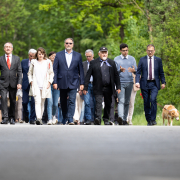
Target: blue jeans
88 98
123 100
82 112
52 103
68 105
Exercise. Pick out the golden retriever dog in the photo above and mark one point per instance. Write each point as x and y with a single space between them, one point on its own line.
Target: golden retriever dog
170 112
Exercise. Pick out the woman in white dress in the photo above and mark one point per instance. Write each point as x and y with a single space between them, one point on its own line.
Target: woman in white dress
40 77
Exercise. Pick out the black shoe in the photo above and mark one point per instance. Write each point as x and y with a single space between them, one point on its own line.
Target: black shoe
26 119
12 121
125 123
38 122
81 123
97 121
120 121
88 122
5 121
149 123
153 122
32 122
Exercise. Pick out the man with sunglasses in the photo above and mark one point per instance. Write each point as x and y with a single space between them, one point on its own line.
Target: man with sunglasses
68 75
151 71
126 65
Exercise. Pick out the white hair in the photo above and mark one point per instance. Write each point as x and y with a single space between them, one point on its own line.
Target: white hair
70 39
9 43
32 51
89 50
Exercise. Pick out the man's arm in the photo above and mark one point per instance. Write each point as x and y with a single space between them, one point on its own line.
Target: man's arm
161 73
116 78
138 73
19 74
87 78
81 73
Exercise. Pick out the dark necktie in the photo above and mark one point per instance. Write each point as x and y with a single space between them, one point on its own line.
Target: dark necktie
150 69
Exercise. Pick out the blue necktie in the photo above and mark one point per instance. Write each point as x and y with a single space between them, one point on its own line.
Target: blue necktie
105 63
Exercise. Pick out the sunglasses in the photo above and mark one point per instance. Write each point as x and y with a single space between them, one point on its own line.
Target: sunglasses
69 43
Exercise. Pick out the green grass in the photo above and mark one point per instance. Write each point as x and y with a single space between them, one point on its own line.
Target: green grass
139 115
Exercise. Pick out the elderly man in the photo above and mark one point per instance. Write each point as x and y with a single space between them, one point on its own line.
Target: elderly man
90 95
151 71
25 87
68 75
105 77
11 79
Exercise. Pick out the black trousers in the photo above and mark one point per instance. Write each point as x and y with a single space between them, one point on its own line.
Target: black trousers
12 98
111 116
107 94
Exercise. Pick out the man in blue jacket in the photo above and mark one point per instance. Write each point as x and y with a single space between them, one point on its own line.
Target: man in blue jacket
25 87
151 70
68 75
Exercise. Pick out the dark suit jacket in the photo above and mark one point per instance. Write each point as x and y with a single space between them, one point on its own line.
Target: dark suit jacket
13 76
85 67
25 69
143 71
68 77
95 71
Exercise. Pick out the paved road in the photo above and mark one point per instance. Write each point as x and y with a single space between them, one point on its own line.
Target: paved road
30 152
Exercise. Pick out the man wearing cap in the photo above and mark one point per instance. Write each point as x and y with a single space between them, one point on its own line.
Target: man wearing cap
126 65
105 77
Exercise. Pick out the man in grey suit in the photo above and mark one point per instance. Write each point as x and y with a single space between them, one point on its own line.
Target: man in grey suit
87 98
10 81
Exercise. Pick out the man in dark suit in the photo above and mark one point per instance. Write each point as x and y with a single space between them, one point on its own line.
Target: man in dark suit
151 71
68 75
90 95
105 77
25 87
10 81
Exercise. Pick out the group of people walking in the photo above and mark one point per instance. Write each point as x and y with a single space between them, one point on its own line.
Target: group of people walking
79 86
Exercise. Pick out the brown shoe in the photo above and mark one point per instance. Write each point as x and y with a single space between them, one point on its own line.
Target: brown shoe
71 123
76 122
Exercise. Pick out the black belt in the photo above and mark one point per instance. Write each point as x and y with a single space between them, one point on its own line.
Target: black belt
151 80
91 82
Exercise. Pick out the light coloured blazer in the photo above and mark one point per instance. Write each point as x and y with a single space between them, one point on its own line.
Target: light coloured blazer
46 93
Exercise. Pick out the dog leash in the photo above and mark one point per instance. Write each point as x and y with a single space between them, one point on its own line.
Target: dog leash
164 108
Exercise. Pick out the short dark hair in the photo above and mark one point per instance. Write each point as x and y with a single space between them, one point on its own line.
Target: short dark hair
149 45
51 53
42 50
122 46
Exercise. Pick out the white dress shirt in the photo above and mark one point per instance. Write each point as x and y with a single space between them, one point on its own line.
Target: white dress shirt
152 63
10 57
68 57
124 57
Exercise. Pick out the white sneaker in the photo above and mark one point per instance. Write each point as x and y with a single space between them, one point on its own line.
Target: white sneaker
50 122
54 121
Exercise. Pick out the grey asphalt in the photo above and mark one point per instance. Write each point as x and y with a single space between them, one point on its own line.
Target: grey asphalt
31 152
